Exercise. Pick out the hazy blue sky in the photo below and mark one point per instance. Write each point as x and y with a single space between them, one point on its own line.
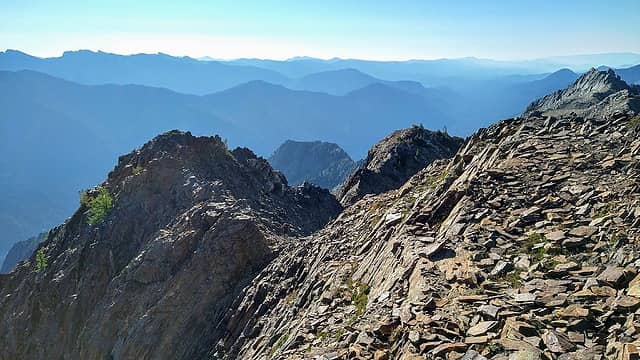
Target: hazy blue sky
399 29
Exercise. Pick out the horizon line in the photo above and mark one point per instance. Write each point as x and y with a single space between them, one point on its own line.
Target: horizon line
334 58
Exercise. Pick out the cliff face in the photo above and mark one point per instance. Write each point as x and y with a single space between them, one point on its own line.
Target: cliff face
320 163
394 159
190 226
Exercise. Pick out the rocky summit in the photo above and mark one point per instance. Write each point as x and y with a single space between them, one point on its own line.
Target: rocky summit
595 94
185 225
393 160
321 163
522 245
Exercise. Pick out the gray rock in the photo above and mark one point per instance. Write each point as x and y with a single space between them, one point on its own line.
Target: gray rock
392 161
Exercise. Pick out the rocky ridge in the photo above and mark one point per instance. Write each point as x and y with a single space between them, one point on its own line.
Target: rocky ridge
524 246
393 160
320 163
595 94
191 224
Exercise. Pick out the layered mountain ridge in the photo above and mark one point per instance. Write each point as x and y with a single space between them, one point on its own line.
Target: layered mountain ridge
523 245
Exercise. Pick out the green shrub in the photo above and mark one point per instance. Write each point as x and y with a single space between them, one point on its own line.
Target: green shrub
99 206
84 198
281 340
41 260
359 295
533 240
512 278
137 170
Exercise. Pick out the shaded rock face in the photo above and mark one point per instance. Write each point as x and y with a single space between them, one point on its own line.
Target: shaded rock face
320 163
392 161
20 251
192 224
595 94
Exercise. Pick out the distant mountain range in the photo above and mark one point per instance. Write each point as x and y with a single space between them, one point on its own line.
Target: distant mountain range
75 113
334 76
630 75
442 71
343 81
180 74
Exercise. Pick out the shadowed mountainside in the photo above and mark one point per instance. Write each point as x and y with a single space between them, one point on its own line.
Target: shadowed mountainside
320 163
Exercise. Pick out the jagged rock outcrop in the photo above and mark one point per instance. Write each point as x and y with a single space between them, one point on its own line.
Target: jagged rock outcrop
321 163
20 251
393 160
191 223
594 94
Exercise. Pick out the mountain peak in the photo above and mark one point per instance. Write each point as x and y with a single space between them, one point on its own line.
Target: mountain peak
596 93
183 212
396 158
321 163
601 80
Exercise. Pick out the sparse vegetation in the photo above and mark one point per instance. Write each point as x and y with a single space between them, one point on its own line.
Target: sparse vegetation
437 180
41 260
291 298
513 278
494 348
279 343
359 295
635 121
137 170
99 206
617 238
605 210
322 335
530 248
374 220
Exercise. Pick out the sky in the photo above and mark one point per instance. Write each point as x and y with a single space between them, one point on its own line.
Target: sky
380 30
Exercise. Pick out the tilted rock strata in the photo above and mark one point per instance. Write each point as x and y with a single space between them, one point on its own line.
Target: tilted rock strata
524 245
